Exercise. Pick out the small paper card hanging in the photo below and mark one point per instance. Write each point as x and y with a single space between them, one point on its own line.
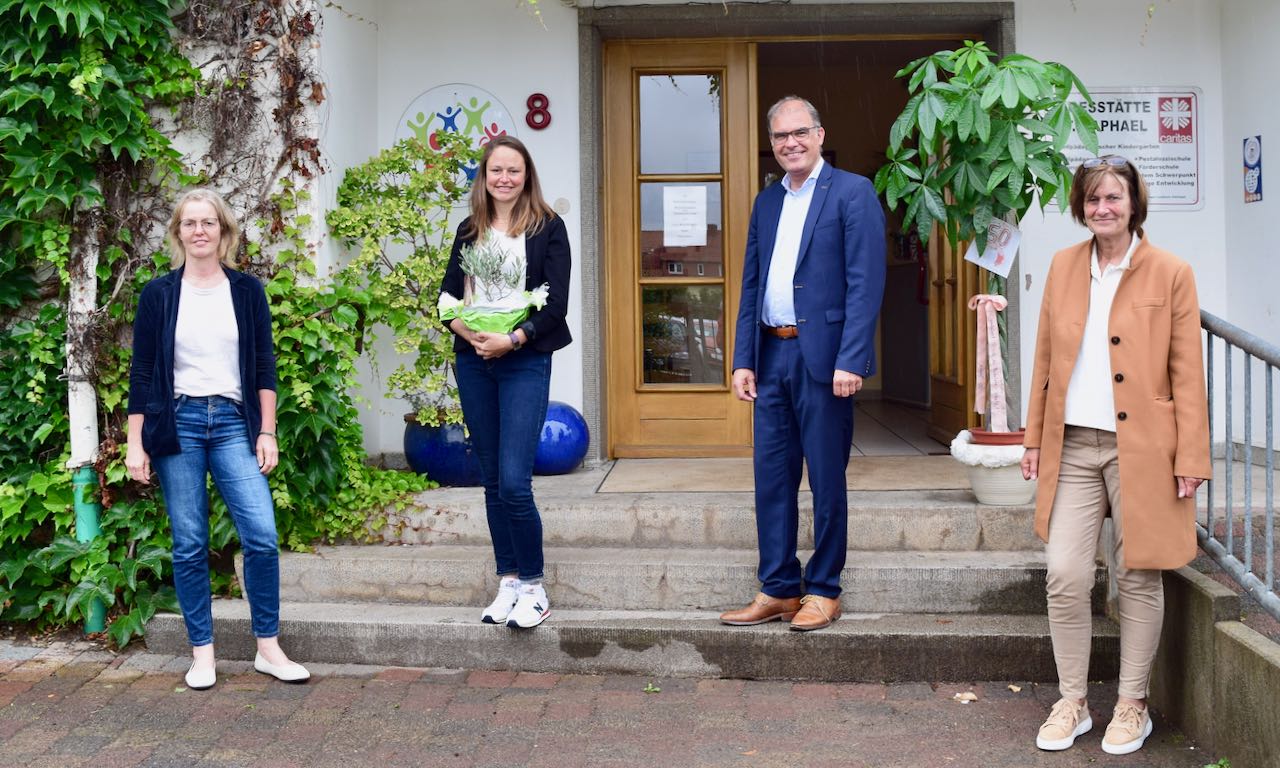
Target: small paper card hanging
1002 245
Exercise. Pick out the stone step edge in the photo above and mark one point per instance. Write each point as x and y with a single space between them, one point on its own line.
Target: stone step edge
857 648
711 556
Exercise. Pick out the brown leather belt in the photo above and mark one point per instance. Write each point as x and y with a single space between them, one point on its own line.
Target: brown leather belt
781 331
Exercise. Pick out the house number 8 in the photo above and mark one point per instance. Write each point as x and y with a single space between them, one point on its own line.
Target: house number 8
539 116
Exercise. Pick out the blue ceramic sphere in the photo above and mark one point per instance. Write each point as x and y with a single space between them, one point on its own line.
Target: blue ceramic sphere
443 454
563 442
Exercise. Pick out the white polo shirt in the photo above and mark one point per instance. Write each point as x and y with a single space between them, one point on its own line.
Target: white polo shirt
1090 398
779 299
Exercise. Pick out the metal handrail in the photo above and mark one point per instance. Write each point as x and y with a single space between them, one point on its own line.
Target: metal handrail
1223 551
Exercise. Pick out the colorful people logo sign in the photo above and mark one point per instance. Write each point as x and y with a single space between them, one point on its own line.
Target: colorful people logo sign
456 108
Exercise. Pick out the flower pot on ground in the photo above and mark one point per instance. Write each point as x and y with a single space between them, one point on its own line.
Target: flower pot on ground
995 471
442 452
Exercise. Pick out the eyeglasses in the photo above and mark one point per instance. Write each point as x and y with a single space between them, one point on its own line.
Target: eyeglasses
207 225
1115 161
799 134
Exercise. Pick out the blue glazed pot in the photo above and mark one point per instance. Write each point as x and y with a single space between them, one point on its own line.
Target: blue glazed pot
441 453
563 442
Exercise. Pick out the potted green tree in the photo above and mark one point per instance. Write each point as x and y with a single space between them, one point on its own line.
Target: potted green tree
394 212
981 139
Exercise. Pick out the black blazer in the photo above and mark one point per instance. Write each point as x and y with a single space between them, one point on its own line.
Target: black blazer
151 370
546 261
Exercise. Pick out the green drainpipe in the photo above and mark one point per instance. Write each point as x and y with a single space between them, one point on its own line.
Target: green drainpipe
85 482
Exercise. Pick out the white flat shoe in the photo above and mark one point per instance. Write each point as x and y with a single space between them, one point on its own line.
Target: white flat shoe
286 673
201 679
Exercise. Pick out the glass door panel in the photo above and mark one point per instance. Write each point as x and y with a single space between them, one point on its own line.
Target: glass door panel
679 123
679 163
675 241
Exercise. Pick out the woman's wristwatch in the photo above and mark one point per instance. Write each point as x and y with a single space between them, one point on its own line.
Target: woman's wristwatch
515 341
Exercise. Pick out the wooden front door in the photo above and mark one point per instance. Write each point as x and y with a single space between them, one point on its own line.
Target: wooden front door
679 160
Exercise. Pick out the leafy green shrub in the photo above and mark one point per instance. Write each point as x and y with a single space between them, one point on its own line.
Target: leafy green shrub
394 209
78 150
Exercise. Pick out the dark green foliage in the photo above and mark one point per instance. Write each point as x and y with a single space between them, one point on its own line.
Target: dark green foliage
80 81
981 138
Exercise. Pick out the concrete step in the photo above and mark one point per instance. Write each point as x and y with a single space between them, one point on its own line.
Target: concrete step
602 578
576 516
857 648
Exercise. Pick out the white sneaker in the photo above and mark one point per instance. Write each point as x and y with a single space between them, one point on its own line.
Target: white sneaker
501 606
532 607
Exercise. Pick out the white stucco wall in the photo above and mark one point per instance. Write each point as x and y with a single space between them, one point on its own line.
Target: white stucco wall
348 63
1103 42
401 48
1250 59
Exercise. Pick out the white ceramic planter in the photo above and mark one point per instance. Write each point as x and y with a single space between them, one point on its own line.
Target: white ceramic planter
1001 486
995 471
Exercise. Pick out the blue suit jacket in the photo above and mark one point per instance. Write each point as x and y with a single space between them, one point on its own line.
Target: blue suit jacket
839 278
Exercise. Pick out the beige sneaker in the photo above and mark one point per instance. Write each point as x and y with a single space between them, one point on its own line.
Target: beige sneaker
1066 722
1129 728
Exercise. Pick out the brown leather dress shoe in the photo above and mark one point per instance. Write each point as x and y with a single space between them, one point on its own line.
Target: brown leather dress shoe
816 612
763 608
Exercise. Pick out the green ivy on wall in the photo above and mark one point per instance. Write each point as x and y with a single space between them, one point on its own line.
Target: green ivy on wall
86 87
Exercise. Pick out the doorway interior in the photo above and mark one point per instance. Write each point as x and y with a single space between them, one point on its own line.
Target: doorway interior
684 117
852 85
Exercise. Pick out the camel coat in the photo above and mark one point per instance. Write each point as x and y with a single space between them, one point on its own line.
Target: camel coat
1162 416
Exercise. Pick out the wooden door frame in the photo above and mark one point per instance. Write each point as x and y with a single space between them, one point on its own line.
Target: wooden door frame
664 420
991 21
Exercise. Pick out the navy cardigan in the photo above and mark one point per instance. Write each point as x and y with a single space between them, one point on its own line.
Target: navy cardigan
151 371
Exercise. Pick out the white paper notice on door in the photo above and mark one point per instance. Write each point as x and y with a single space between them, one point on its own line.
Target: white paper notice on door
684 216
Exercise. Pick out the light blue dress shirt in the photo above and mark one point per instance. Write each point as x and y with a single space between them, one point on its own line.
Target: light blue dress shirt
779 299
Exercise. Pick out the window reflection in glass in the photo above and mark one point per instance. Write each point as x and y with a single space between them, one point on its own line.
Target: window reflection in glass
680 124
657 259
684 335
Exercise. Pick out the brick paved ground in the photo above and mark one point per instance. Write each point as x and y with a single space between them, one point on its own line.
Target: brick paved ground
68 705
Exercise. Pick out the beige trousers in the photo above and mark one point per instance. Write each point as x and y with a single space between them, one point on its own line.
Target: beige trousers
1089 485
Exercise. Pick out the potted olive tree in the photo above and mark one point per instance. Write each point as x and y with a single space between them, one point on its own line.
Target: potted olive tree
981 139
394 212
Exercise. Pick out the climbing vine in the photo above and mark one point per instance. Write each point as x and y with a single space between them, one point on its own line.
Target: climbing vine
107 109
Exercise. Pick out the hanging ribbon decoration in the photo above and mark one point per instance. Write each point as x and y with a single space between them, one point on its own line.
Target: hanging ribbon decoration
990 363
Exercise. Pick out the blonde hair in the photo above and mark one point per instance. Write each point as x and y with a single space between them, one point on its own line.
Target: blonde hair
229 241
530 211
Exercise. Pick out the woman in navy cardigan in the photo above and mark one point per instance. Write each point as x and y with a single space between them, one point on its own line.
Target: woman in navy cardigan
202 401
504 378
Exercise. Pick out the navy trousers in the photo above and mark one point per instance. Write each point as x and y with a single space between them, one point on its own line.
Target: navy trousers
797 421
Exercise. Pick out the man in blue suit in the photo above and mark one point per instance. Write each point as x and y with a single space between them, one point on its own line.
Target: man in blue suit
812 282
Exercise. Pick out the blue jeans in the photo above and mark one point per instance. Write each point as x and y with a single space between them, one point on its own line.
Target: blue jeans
504 403
215 441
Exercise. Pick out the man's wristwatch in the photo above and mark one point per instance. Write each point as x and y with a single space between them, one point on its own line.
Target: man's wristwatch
515 341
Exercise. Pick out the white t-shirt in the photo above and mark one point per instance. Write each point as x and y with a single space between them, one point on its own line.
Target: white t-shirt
206 343
497 296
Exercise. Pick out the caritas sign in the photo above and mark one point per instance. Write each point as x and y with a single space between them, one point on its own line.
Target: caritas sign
1158 129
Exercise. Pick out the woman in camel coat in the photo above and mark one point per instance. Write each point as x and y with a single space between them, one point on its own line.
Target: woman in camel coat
1117 425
